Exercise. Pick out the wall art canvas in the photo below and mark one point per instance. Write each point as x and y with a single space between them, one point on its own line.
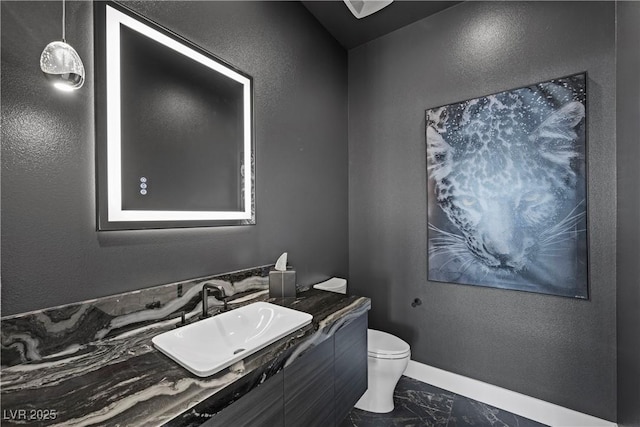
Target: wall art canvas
507 189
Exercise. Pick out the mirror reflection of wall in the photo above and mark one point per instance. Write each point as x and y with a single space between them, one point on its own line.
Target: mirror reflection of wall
186 142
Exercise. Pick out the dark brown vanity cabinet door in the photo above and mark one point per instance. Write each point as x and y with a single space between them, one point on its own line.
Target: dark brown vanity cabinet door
350 366
308 388
261 407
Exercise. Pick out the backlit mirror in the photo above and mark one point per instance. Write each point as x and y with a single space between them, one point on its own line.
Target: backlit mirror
174 129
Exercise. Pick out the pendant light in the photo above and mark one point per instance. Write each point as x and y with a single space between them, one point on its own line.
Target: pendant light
61 64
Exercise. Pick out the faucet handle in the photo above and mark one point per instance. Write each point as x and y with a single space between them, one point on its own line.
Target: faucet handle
182 316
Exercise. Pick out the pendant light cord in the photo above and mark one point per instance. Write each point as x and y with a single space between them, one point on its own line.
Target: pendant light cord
63 23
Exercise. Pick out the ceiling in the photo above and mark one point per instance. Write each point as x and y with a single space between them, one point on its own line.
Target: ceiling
351 32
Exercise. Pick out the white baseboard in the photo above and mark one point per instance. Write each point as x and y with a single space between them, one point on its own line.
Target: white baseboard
516 403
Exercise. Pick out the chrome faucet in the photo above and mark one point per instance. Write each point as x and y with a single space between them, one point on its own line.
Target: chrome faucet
221 295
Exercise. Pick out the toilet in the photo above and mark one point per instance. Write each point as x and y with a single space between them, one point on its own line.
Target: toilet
387 359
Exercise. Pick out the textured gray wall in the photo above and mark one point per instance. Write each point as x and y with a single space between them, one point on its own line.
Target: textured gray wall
51 253
628 168
561 350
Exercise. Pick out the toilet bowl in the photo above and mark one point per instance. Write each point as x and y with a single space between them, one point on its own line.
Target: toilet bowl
387 359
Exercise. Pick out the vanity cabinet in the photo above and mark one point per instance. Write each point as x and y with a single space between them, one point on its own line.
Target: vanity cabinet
350 366
261 407
309 388
317 389
322 386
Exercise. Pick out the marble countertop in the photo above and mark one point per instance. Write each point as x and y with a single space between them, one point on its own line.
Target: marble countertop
123 380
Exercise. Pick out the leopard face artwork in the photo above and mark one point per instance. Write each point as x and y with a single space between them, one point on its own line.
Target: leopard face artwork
507 189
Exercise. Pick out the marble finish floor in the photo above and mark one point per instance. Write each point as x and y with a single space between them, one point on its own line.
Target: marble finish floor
418 404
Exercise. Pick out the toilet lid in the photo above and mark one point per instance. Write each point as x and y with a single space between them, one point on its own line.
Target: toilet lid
382 343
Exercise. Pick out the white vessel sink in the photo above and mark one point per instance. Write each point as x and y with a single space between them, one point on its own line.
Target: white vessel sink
210 345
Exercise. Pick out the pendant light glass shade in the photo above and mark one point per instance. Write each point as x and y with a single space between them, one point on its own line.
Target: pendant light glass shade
61 64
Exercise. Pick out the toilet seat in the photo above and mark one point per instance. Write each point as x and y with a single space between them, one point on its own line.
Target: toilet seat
382 345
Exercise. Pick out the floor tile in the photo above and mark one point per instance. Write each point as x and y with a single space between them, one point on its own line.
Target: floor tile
418 404
469 412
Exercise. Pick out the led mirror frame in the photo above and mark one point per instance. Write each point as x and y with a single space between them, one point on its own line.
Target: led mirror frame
116 218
